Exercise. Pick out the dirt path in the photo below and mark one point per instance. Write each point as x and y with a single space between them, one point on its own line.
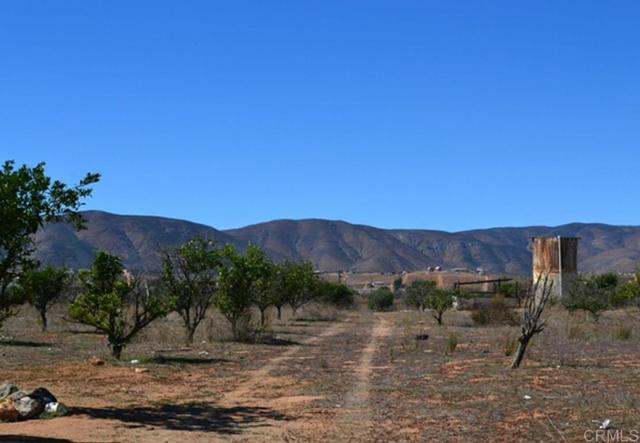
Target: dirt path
273 403
355 419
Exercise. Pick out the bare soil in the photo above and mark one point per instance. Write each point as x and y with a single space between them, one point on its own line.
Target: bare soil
361 377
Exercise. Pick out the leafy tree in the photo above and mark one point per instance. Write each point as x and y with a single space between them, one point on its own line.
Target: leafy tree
115 303
28 200
190 273
381 299
243 277
585 294
439 301
337 294
626 292
302 285
264 289
281 285
398 286
42 288
607 281
417 293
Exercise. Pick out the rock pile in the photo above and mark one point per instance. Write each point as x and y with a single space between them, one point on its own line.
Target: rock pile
16 404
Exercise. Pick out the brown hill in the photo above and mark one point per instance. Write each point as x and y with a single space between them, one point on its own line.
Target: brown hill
337 245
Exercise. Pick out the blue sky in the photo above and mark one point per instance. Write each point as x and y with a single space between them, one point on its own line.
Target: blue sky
441 115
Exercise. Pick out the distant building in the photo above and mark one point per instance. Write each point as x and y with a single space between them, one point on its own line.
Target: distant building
556 259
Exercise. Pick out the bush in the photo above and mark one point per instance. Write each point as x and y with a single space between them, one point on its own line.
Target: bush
623 333
381 299
452 343
495 312
336 294
625 294
510 346
586 294
417 293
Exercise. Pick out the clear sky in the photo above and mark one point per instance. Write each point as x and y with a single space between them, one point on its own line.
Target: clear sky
445 115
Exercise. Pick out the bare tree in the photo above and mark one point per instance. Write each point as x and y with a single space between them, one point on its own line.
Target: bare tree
535 299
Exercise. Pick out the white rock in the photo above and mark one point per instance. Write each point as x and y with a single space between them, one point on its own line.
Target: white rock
55 409
605 424
135 362
527 397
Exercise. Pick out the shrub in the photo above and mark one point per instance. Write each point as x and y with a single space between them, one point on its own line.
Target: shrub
510 346
625 293
381 299
623 333
336 294
586 294
452 343
495 312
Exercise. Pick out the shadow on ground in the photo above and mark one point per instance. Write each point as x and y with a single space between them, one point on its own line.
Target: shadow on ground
30 439
175 360
25 343
190 417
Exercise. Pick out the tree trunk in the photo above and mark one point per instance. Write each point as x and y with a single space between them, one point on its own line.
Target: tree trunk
116 351
234 329
438 317
43 320
522 347
190 331
262 317
279 308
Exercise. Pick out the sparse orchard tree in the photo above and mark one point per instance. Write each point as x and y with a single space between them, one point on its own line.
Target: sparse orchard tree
190 273
116 303
42 288
264 289
28 200
417 293
302 285
439 301
585 294
280 286
242 277
536 298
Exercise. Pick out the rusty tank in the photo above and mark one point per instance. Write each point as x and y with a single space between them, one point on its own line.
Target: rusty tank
555 258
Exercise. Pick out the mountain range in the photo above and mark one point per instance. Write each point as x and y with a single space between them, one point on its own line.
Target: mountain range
338 245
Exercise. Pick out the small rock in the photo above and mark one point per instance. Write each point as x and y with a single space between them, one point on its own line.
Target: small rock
8 411
43 395
95 361
55 409
135 362
28 407
422 337
605 424
7 389
141 370
527 397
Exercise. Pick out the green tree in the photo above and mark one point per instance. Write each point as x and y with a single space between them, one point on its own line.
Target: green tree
190 273
281 285
242 278
381 299
585 294
42 288
627 292
417 293
28 200
337 294
302 285
439 301
115 303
